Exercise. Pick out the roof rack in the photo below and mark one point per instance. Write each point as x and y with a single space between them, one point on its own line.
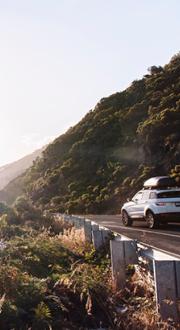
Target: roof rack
160 182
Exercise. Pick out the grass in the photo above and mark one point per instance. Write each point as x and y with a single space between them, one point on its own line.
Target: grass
52 279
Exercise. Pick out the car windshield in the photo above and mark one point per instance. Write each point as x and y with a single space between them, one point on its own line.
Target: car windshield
138 196
169 194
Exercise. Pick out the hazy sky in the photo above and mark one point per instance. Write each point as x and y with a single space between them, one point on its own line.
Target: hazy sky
59 57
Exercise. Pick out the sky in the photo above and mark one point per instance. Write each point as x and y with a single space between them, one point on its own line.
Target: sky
58 58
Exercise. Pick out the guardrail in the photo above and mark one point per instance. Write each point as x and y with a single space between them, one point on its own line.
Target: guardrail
125 251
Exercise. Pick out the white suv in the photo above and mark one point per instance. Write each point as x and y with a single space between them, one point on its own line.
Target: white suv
158 202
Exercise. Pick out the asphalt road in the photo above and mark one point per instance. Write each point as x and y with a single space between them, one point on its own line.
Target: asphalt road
166 238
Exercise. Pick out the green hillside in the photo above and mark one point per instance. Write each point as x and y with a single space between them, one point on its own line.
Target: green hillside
128 137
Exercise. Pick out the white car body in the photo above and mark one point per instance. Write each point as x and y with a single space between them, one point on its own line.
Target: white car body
161 205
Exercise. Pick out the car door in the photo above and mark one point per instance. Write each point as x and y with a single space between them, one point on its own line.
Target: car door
135 210
144 201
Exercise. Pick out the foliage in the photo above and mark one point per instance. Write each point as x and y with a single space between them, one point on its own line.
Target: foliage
48 283
44 285
42 312
49 280
84 170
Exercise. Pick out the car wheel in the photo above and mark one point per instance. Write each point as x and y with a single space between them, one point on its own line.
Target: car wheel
151 220
126 220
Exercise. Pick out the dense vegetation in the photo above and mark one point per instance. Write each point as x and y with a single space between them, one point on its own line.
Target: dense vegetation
128 137
44 282
51 279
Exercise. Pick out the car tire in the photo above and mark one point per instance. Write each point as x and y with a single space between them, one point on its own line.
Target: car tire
151 220
126 220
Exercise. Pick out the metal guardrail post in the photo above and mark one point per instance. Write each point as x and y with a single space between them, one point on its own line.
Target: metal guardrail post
123 253
88 231
177 267
71 220
106 233
118 264
166 291
96 236
130 250
78 222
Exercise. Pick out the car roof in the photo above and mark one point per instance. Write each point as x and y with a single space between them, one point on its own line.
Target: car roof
165 190
158 190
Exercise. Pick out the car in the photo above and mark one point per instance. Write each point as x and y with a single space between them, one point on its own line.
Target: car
156 203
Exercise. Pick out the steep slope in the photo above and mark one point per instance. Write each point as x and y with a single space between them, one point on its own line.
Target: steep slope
9 173
128 137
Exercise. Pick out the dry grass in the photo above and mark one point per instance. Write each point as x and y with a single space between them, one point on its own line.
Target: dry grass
137 304
74 240
133 308
59 225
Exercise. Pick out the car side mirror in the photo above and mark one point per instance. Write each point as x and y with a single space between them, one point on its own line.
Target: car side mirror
128 199
135 200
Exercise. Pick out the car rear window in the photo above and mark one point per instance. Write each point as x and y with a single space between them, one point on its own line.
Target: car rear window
153 195
169 194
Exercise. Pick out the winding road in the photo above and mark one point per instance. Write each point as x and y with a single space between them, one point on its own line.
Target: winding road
167 238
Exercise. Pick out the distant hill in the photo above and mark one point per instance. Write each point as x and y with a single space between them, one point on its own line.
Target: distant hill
11 171
128 137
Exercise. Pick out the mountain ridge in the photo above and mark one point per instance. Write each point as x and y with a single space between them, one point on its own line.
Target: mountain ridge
10 171
128 137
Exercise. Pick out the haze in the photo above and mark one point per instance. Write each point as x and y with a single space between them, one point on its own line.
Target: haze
58 58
